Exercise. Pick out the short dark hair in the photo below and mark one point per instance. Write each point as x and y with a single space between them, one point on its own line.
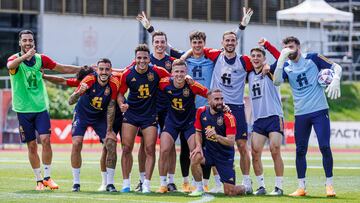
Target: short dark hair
178 62
84 71
289 39
23 32
197 35
210 92
259 49
229 33
159 33
142 47
104 60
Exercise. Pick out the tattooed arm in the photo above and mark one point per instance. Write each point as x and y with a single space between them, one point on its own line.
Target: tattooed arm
76 95
110 142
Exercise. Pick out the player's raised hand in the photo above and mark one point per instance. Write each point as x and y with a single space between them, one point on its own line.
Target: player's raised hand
265 69
143 19
110 135
227 109
29 54
333 90
247 13
124 107
189 80
83 88
196 151
285 54
261 42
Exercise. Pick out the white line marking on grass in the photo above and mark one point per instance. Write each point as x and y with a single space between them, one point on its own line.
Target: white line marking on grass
318 167
41 196
205 198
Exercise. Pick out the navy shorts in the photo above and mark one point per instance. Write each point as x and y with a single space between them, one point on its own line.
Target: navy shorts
81 123
31 122
174 131
161 115
265 126
241 126
141 122
118 121
224 166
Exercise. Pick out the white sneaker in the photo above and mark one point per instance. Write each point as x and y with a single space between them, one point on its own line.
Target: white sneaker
102 188
145 189
216 189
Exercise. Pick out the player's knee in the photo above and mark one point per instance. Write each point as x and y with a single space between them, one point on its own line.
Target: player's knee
165 151
325 150
195 160
275 149
301 150
77 144
110 145
126 149
32 148
255 152
150 150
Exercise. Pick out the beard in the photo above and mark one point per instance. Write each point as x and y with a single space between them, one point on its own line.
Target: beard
293 56
218 108
230 50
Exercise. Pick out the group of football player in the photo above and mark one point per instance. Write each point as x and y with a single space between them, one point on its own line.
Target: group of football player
156 97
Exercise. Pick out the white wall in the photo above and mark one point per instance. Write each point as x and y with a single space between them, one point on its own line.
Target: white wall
82 40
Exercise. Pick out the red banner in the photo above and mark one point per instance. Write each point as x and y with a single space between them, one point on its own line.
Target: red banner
61 133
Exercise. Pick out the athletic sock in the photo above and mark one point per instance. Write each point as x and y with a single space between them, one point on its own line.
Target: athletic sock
260 180
147 183
217 180
126 183
279 182
142 177
186 179
199 186
246 180
162 181
329 181
104 178
47 171
37 173
302 183
171 178
76 175
110 176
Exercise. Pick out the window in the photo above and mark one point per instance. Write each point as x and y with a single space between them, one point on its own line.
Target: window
134 7
115 7
199 9
95 7
256 5
160 8
236 10
74 6
10 4
271 7
31 5
54 6
181 9
218 10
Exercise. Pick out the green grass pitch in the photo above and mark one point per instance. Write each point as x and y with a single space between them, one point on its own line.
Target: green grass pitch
17 181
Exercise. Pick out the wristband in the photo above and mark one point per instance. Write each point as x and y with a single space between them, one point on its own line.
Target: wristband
150 29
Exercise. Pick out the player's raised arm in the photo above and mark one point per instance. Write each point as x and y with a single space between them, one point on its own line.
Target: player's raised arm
278 74
14 61
85 84
247 13
55 79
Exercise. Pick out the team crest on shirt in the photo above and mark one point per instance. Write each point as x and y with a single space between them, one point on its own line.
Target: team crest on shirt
107 91
205 119
169 92
94 90
150 76
168 65
133 80
220 121
186 92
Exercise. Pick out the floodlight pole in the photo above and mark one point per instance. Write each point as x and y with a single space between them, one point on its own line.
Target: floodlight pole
40 30
143 36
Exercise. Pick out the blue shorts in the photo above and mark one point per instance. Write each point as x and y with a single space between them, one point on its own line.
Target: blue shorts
141 122
174 131
117 121
81 123
224 165
31 122
241 126
264 126
161 115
